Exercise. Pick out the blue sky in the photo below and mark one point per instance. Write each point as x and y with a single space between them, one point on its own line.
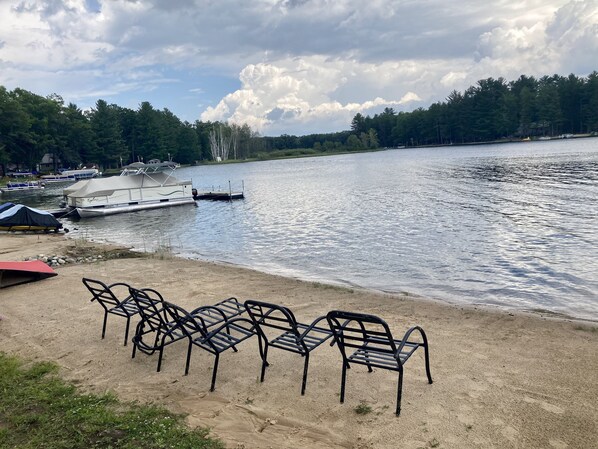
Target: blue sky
286 66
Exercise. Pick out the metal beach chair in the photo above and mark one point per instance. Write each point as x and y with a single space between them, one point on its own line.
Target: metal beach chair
115 299
277 327
214 336
372 344
156 329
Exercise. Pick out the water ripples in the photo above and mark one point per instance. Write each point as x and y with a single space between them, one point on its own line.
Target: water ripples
509 225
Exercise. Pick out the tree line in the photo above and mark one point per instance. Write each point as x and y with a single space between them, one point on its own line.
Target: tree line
494 109
111 136
108 135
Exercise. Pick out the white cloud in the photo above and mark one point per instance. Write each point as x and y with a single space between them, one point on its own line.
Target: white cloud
303 65
574 35
302 93
317 89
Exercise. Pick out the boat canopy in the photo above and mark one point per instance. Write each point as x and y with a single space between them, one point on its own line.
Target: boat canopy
107 186
20 217
152 167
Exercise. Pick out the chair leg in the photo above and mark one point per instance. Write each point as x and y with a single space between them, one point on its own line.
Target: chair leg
127 330
344 375
264 362
427 359
259 340
399 393
137 337
160 356
214 373
188 356
305 366
104 325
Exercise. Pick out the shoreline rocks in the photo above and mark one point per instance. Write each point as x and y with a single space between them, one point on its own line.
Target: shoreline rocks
59 259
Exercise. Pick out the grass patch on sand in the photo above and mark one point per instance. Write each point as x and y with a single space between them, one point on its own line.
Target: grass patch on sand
40 410
81 247
332 287
363 409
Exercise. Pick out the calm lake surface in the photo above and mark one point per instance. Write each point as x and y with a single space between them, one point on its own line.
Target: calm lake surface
510 225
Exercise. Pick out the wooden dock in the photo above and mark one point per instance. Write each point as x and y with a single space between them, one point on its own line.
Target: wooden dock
219 196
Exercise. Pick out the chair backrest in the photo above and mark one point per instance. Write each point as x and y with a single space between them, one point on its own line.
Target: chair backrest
356 330
275 317
103 294
185 321
151 307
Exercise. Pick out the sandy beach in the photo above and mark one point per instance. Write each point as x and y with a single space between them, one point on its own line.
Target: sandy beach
501 379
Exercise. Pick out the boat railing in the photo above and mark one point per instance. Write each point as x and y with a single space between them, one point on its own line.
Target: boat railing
138 168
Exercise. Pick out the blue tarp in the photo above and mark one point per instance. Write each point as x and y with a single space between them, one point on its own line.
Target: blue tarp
20 215
5 206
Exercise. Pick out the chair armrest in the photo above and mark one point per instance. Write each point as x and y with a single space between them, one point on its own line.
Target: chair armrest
405 339
123 284
196 311
227 323
334 336
313 326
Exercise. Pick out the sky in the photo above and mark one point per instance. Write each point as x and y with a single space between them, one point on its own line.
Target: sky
286 66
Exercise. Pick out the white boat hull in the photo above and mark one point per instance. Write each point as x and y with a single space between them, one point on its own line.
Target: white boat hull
22 187
87 212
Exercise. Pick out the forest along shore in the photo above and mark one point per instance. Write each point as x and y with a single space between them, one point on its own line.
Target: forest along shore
501 379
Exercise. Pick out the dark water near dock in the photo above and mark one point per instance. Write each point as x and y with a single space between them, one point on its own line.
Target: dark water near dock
512 225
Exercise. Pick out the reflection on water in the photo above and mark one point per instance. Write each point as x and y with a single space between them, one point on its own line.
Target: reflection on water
511 225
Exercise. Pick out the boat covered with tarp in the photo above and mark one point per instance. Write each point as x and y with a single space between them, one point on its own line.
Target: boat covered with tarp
17 217
14 273
140 186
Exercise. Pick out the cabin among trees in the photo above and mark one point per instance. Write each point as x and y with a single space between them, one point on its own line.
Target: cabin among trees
33 127
49 163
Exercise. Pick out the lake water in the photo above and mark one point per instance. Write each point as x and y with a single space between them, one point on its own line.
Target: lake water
510 225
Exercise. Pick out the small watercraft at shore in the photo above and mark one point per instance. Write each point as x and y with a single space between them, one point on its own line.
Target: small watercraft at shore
17 217
18 186
15 273
58 178
82 173
140 186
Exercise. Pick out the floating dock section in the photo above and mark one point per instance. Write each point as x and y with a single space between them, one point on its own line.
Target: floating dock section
218 194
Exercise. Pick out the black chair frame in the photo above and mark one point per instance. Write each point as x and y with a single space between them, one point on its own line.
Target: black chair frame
223 310
106 296
213 336
293 337
371 341
155 330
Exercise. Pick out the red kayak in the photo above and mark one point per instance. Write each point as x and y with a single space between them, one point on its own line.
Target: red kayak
14 273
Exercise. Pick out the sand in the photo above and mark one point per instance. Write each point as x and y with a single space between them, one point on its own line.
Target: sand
501 379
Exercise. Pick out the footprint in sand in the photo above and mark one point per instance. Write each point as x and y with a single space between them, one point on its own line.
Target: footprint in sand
552 408
558 444
510 433
468 420
545 405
